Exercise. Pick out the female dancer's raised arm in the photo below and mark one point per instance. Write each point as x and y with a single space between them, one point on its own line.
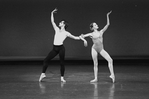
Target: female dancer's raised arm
108 22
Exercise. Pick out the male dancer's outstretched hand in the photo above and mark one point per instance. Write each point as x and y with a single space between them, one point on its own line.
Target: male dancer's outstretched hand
82 38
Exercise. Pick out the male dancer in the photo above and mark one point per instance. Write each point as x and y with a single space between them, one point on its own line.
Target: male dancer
58 48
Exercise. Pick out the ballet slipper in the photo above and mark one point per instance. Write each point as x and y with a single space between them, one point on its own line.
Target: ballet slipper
62 79
94 80
41 77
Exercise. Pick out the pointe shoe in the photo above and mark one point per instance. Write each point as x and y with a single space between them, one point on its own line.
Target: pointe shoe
113 78
41 77
95 80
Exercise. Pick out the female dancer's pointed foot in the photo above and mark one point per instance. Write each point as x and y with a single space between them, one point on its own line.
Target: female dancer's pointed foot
62 79
42 76
113 78
94 80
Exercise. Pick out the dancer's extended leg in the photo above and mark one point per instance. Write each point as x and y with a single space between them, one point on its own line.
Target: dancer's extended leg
110 63
95 60
50 56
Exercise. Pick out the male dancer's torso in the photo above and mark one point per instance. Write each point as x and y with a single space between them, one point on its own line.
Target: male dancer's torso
59 37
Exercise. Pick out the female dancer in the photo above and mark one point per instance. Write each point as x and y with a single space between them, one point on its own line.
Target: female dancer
58 48
98 48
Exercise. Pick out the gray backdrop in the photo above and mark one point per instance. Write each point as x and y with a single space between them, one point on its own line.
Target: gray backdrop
26 30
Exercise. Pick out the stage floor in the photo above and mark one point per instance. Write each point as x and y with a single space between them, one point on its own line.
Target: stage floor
21 82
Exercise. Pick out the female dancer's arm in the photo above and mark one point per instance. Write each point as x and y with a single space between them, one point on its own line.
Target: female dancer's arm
82 38
86 35
52 20
108 22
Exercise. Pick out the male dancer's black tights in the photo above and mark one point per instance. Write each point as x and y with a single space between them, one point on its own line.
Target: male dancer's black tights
57 49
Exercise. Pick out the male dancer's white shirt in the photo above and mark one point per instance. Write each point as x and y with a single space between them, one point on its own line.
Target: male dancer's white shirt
60 37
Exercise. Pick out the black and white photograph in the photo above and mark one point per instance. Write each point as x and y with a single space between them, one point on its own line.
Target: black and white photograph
74 49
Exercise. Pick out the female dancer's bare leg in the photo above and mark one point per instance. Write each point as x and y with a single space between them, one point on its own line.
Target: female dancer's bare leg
110 63
95 60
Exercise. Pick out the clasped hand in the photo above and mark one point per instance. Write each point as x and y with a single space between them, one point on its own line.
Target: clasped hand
82 38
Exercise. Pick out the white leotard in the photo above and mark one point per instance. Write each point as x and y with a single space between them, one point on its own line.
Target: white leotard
97 40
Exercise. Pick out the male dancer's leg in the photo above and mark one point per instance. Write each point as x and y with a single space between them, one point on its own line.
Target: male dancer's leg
62 63
50 56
